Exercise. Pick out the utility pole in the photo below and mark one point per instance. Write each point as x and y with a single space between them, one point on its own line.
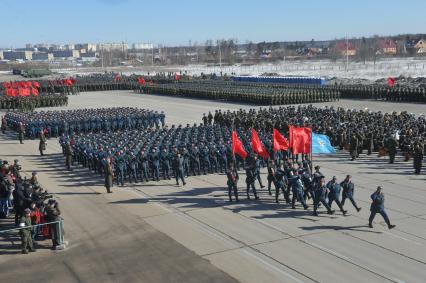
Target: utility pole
347 54
220 57
152 55
102 54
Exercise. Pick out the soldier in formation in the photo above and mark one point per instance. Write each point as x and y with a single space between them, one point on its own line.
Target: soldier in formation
56 123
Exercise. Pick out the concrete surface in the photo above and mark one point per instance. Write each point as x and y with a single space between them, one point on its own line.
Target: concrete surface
158 232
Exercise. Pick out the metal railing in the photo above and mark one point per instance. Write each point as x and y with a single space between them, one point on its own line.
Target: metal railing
61 241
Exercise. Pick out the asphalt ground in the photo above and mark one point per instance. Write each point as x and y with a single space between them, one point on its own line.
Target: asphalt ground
159 232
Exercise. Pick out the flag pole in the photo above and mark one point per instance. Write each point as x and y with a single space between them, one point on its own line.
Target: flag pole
311 163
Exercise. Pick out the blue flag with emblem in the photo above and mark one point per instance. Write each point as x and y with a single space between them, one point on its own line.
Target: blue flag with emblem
321 144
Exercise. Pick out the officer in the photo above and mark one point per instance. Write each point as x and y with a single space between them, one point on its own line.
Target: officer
27 242
42 143
109 176
348 192
68 155
232 175
178 167
21 132
334 194
378 206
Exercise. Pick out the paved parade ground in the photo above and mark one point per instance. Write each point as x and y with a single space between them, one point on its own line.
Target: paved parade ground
159 232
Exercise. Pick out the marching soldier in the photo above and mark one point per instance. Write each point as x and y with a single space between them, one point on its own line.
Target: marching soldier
334 194
378 206
348 192
232 175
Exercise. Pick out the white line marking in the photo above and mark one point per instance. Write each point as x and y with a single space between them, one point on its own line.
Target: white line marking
402 238
272 266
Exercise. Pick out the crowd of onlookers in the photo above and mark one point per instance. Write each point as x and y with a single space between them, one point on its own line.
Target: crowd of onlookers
30 204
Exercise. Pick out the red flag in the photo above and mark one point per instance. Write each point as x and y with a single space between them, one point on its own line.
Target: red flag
36 84
141 81
391 82
280 142
117 78
11 92
7 85
177 77
15 85
22 84
237 146
301 139
34 91
257 145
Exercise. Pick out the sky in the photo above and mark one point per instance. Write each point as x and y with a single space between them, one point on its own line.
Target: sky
174 23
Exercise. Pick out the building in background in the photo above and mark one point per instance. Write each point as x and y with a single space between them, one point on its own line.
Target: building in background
139 46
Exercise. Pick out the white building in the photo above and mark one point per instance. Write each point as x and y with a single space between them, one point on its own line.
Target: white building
141 45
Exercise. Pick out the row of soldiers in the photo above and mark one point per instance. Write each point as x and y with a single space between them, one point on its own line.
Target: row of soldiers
69 122
262 95
355 130
29 103
375 91
148 154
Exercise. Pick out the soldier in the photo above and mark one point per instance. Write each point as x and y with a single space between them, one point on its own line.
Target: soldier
165 163
178 168
250 180
353 149
297 189
271 175
3 125
417 158
320 196
281 183
109 175
232 175
257 164
27 242
42 143
68 155
348 192
21 132
334 194
378 206
391 146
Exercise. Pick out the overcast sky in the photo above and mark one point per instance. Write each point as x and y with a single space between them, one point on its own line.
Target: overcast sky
176 22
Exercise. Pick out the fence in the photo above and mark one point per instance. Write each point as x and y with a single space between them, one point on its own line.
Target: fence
61 241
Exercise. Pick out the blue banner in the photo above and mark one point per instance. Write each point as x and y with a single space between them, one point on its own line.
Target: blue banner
321 144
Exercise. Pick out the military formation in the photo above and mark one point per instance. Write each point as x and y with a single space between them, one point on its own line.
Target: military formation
358 131
70 122
29 103
263 94
150 154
